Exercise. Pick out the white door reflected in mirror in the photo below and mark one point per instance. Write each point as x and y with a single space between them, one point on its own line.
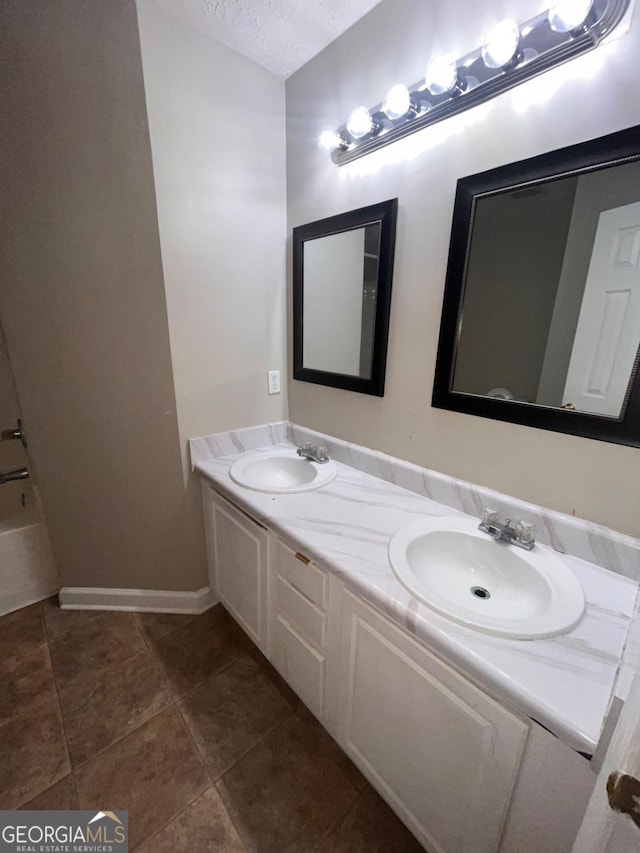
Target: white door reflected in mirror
608 332
551 306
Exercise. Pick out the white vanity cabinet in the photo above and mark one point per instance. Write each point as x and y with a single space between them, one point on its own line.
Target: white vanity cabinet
238 556
449 759
299 599
443 753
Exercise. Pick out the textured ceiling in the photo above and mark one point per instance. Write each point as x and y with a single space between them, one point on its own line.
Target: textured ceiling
280 35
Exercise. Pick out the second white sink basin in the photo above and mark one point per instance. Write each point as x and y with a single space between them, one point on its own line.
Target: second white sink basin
282 471
491 586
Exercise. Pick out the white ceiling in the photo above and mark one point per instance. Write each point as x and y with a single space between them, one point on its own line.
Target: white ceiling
280 35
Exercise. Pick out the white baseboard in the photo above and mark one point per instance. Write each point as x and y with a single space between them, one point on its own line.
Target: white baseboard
137 600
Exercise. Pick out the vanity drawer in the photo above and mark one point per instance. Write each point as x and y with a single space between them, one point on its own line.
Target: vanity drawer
302 667
301 574
304 616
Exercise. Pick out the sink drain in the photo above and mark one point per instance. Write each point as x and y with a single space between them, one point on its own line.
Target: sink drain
480 592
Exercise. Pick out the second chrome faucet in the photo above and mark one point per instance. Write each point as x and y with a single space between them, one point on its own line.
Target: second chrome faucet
521 533
313 452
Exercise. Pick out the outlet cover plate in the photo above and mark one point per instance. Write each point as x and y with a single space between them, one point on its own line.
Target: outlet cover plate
274 381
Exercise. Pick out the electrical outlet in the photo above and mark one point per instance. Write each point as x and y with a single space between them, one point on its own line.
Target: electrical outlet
274 381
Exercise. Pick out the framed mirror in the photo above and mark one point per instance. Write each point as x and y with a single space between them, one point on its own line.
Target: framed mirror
342 275
541 314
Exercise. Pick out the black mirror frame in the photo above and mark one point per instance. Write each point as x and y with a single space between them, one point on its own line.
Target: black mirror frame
613 149
384 212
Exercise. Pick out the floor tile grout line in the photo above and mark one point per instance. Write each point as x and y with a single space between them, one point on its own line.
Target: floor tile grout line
235 825
334 826
292 714
204 680
101 672
171 703
208 678
175 817
100 752
136 624
75 684
213 779
260 740
202 761
148 640
39 700
61 717
66 631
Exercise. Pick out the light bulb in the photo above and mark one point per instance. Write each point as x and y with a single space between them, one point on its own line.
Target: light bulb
397 102
442 75
501 45
569 15
330 140
360 123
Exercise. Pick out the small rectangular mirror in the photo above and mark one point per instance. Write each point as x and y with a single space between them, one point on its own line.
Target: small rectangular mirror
342 276
541 320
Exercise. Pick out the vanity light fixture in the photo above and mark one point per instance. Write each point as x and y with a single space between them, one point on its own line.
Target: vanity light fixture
330 140
511 54
360 123
569 16
397 102
442 76
500 49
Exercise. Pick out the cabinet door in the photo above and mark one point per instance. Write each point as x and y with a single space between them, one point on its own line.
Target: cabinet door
442 753
238 557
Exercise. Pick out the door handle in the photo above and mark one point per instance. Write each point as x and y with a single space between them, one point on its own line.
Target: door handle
623 792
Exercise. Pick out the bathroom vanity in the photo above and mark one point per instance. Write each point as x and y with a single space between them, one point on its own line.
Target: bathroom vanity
444 721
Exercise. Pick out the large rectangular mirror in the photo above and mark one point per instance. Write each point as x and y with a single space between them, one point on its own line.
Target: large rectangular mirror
342 275
541 317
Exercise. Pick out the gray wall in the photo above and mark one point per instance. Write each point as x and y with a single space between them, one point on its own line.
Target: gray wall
82 296
515 261
393 42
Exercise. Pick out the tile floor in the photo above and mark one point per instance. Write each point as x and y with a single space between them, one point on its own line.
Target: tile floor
183 722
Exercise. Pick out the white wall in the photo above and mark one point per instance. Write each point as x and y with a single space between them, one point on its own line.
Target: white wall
585 99
217 129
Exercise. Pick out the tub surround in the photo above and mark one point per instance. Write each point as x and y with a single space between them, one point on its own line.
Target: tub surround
565 683
27 568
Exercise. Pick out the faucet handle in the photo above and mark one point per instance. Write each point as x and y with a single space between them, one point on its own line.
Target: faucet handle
489 516
321 454
525 532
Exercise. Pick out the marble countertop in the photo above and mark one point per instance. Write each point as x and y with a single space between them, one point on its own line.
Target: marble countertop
565 683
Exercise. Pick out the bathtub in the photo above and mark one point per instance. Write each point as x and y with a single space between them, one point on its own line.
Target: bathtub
27 568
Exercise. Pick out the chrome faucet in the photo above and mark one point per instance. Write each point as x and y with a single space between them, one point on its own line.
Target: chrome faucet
522 533
10 476
314 453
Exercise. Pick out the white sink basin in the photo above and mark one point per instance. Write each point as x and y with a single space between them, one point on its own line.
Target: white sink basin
493 587
282 471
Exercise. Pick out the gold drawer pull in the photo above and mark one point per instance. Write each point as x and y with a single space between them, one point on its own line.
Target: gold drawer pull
302 558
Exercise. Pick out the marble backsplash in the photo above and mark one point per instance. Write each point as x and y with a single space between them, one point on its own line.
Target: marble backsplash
568 535
237 441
